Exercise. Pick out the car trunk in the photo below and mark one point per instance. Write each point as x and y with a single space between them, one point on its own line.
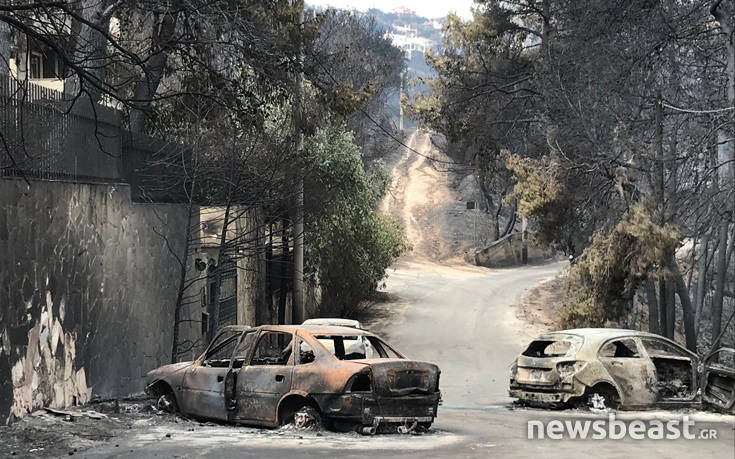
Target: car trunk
537 371
398 377
537 365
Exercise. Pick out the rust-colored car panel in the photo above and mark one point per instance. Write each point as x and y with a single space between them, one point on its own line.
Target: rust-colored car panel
628 368
270 371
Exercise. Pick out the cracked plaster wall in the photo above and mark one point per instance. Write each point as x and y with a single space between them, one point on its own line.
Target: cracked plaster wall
87 288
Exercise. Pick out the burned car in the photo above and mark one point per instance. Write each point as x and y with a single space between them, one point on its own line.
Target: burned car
270 375
623 369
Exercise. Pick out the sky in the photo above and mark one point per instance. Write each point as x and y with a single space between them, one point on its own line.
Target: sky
426 8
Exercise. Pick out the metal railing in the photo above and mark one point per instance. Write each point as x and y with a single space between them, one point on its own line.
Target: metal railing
46 136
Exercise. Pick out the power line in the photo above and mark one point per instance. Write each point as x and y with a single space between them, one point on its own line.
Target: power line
702 112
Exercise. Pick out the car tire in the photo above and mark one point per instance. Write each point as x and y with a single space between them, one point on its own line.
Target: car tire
167 403
602 397
302 416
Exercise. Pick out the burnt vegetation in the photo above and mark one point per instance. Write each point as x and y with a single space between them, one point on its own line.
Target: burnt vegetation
266 119
607 128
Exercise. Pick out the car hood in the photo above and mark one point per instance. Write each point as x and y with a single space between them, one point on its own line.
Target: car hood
167 371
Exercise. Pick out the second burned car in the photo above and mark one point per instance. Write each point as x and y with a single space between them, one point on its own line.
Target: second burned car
614 368
268 375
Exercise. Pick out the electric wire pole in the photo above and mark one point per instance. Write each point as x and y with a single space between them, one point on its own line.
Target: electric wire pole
297 311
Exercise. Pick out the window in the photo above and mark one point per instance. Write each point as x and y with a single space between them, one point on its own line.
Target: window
220 352
357 347
568 346
35 65
622 348
242 353
381 349
274 348
306 353
661 348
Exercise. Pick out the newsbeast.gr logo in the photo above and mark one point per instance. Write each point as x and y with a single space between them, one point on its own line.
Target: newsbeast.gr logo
615 429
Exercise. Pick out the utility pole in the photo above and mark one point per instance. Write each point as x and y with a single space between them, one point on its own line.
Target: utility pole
298 221
660 191
400 99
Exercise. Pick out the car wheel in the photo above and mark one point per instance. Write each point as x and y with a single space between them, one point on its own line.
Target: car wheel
167 403
302 415
305 417
602 398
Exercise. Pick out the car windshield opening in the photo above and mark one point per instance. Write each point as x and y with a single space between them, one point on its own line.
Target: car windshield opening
553 348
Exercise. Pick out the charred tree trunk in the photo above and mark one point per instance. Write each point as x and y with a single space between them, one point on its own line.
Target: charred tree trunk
4 48
496 221
213 306
285 263
701 283
248 267
183 260
90 52
725 152
654 325
663 309
670 307
686 305
720 280
145 91
512 222
487 197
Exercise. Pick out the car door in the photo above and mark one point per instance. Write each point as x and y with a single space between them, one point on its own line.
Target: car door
261 384
632 372
718 379
676 370
240 358
203 383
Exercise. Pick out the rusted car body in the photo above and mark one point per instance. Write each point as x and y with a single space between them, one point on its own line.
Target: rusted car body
264 375
623 369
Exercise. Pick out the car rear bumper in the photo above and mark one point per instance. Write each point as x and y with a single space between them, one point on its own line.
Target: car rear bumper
546 396
369 409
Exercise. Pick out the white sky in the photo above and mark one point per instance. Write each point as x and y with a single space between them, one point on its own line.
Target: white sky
426 8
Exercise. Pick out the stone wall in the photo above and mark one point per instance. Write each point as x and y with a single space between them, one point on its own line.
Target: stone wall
87 290
507 251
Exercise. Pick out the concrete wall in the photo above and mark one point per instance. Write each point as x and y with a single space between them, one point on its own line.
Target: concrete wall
507 252
87 291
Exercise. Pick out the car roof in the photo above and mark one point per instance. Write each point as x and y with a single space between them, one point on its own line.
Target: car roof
592 335
317 329
334 322
239 328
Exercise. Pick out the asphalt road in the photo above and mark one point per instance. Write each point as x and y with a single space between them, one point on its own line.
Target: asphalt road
459 317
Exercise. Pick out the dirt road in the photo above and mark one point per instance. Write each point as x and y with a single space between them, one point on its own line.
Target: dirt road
429 198
445 310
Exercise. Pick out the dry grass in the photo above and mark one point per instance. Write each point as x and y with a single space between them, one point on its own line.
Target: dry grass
539 308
